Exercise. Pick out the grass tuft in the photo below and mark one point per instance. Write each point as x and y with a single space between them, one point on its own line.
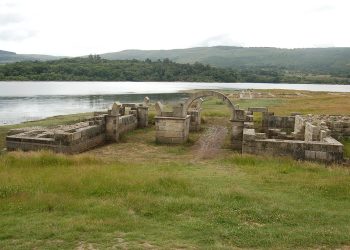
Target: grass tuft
43 159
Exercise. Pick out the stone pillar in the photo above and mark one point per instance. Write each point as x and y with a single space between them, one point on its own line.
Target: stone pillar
112 123
237 129
173 130
265 120
312 132
142 117
195 122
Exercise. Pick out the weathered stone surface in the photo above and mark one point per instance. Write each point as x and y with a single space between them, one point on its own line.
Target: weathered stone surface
172 129
328 151
239 115
195 121
248 134
312 132
159 108
142 117
248 124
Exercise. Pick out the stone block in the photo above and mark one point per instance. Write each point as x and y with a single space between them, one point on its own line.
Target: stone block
248 135
319 155
76 136
170 133
248 125
172 129
239 115
260 135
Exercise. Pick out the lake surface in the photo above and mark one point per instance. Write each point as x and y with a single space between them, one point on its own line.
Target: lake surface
25 101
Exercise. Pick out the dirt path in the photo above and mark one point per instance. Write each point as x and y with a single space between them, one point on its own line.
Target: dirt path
210 143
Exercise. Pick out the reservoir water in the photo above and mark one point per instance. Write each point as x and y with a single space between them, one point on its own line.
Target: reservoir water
24 101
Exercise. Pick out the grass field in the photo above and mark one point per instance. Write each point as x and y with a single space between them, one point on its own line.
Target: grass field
141 195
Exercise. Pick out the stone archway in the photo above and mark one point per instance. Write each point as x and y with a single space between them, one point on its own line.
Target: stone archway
192 107
174 127
206 93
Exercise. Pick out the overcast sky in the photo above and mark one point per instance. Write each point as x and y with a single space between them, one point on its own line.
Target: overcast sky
79 27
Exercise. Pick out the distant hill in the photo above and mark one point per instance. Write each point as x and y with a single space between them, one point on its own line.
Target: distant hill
4 52
314 60
309 65
10 57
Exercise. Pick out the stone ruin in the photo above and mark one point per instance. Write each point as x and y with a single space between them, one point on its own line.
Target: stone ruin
310 137
174 126
82 136
306 137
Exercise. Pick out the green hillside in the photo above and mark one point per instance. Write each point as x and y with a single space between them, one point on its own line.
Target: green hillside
334 61
10 57
310 65
94 68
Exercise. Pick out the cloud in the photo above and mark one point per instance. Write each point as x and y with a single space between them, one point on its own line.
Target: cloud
324 8
7 4
66 27
10 18
223 39
16 35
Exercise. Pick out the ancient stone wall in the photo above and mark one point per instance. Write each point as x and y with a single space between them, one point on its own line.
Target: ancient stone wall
126 123
339 126
172 129
79 137
64 139
272 121
142 116
328 150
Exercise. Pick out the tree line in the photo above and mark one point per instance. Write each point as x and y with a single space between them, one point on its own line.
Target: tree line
94 68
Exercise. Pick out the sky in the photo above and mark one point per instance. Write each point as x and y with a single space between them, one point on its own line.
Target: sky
82 27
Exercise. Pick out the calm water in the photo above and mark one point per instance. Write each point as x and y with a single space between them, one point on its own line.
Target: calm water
24 101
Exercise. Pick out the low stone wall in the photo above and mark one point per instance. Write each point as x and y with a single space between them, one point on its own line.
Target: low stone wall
339 129
282 122
339 126
172 129
127 123
77 147
73 140
328 150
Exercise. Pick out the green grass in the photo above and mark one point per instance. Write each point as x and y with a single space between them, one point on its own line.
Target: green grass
259 103
346 144
138 194
61 202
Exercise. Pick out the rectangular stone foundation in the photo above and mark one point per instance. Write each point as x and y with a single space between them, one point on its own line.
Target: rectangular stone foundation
67 149
78 137
173 130
328 150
